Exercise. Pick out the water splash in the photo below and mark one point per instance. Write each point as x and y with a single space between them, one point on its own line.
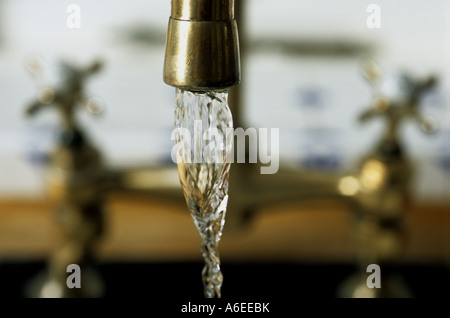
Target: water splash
205 181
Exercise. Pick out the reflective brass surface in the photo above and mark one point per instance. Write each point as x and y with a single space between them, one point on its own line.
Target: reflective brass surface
381 186
203 10
202 46
75 188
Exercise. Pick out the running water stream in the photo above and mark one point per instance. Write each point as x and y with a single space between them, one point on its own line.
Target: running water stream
204 145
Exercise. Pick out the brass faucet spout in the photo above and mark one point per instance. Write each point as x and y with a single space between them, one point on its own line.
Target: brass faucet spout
202 46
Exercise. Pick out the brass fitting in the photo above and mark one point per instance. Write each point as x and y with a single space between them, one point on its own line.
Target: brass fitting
202 46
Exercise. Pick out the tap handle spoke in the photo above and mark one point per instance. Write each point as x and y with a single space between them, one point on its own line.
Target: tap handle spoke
68 94
397 98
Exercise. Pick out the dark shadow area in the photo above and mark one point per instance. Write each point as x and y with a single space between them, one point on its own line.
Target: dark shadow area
244 281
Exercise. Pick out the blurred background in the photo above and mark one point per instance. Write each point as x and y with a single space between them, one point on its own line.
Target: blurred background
301 73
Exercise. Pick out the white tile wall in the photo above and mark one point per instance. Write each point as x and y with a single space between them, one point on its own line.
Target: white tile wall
135 127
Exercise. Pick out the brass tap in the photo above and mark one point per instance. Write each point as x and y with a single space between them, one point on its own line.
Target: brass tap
202 47
381 184
74 185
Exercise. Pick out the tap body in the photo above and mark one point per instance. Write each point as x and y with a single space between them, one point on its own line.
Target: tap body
382 193
202 47
75 187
